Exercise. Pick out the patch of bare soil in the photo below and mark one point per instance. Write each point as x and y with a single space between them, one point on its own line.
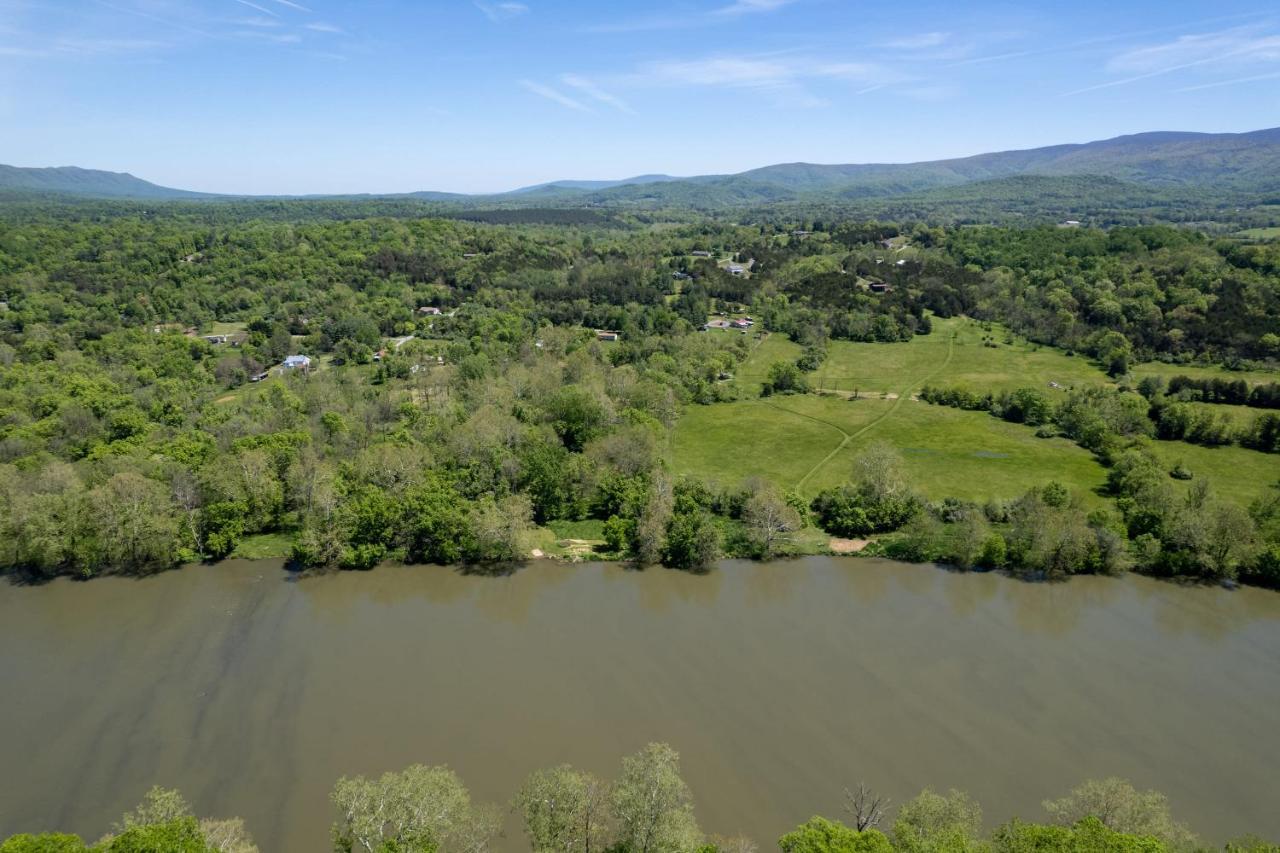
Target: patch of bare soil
848 546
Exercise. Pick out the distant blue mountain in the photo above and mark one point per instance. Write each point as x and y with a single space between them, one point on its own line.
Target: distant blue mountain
87 182
1236 162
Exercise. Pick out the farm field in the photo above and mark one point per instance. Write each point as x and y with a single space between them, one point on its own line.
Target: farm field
1236 473
799 442
1198 371
884 368
1261 233
809 442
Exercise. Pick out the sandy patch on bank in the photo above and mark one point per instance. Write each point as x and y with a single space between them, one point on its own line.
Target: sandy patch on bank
848 546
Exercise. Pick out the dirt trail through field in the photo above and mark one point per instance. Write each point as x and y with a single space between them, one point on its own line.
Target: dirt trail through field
848 437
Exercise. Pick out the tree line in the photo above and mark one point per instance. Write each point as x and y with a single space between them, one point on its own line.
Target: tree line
648 808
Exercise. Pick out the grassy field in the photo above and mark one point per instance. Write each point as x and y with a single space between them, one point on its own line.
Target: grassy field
263 546
752 372
1261 233
1199 371
809 442
1235 473
880 368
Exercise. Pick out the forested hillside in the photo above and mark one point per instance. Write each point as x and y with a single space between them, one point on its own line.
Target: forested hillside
466 385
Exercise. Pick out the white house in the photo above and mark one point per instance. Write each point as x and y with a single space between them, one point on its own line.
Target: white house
297 362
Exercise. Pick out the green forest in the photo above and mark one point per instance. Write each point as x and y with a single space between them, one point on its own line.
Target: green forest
344 383
648 808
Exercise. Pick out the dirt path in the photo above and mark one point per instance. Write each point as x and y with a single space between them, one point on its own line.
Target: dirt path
850 436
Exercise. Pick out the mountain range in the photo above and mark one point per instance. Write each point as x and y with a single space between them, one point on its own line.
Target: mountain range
1238 163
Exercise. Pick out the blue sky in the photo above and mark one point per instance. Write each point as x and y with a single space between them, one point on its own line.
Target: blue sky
298 96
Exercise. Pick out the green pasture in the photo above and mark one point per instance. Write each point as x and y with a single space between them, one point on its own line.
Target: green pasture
1234 473
809 442
1200 371
1004 362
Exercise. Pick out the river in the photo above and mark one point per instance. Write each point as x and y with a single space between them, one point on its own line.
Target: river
252 690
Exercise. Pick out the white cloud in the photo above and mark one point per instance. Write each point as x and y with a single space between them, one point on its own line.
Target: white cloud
553 95
747 7
1241 44
1234 48
759 72
264 10
919 41
293 5
689 20
497 12
322 27
784 77
273 38
590 89
1252 78
257 22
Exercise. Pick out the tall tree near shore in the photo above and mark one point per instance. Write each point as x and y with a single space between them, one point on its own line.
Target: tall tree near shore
565 811
653 805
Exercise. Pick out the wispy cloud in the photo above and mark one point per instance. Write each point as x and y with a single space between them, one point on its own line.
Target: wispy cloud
498 12
785 78
293 5
272 38
257 22
749 7
1252 78
783 75
1239 44
590 89
85 48
263 9
689 20
1233 48
919 41
322 27
180 25
554 95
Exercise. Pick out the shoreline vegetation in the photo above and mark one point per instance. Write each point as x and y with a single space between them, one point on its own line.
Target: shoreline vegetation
649 808
190 385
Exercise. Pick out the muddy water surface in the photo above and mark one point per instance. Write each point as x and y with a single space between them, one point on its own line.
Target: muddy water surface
780 684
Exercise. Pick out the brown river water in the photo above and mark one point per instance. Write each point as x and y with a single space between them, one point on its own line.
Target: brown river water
780 684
